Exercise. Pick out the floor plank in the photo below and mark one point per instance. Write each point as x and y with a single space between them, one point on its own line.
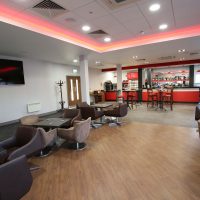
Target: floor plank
135 161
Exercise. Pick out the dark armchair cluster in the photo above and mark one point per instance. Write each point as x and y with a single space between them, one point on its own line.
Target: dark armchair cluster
15 176
88 111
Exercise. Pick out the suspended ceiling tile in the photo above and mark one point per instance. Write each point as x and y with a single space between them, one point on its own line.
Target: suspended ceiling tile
91 11
73 4
165 14
187 12
136 26
25 4
127 14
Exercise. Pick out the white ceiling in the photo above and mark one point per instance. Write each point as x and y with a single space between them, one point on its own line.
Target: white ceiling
19 42
123 23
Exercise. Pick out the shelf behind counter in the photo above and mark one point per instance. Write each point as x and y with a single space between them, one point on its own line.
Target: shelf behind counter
187 95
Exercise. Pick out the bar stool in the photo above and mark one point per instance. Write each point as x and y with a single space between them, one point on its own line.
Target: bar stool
131 98
152 97
168 97
120 96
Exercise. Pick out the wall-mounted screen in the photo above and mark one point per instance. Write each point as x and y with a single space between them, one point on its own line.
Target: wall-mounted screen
11 72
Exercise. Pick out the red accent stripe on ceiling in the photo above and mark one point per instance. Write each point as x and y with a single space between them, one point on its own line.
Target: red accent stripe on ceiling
11 15
185 62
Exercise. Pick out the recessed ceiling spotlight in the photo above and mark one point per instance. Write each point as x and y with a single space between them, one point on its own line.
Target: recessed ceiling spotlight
163 26
182 58
107 39
98 62
135 57
154 7
142 32
86 28
181 50
75 60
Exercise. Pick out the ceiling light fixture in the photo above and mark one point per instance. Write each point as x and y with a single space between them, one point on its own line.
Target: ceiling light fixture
181 50
154 7
135 57
107 39
98 62
75 60
86 28
163 26
75 71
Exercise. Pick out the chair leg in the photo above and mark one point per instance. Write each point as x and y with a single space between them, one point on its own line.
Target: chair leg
77 146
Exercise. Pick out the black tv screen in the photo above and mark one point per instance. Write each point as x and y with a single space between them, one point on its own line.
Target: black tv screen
11 72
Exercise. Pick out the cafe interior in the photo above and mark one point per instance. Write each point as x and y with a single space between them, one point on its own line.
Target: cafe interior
99 99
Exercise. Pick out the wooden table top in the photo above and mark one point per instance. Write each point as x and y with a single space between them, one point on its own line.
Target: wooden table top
52 122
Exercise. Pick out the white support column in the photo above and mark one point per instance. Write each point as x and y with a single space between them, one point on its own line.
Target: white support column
119 77
84 79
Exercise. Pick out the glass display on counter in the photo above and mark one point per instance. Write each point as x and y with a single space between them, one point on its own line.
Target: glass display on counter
176 77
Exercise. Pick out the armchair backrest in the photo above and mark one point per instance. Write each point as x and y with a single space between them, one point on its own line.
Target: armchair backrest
87 112
47 137
82 104
70 113
24 134
33 143
123 110
15 179
74 114
82 130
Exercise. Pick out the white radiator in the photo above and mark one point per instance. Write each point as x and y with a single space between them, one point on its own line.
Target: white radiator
33 107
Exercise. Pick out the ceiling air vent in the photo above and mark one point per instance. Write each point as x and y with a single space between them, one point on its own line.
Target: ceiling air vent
140 60
97 34
167 57
114 4
194 53
49 9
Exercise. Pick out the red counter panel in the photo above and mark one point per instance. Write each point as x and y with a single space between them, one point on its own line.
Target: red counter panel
186 96
180 95
112 95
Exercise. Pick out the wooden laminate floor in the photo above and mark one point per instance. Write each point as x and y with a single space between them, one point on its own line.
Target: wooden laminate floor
138 161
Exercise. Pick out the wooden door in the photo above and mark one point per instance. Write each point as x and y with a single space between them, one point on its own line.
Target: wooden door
73 90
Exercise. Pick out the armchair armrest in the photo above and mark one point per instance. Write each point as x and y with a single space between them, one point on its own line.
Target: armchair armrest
15 179
10 142
36 144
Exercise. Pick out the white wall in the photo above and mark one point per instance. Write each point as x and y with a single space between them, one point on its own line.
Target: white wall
95 79
40 86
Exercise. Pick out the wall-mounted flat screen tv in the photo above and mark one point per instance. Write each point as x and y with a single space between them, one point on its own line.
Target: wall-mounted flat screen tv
11 72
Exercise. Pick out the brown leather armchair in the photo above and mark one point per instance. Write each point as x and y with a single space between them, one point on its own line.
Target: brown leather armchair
117 112
76 135
89 111
82 104
74 114
15 179
26 141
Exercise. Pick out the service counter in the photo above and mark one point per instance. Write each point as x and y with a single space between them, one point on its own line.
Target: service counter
187 95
